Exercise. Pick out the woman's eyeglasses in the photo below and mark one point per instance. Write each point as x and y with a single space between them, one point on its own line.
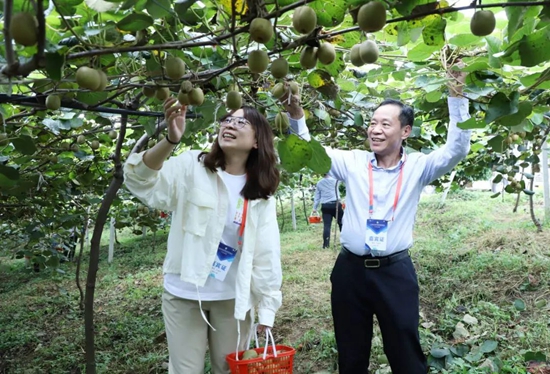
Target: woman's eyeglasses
237 122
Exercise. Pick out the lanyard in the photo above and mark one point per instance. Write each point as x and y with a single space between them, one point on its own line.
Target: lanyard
243 223
397 191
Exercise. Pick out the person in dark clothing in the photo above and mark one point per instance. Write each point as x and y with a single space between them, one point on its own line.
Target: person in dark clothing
326 194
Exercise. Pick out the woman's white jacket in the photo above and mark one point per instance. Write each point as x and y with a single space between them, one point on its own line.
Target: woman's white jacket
198 199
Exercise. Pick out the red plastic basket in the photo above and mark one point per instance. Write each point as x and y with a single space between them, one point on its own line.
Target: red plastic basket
314 219
282 364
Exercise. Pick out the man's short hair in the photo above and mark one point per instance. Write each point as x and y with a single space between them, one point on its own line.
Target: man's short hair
406 117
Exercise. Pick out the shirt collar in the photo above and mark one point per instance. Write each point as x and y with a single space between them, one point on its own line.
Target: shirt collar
375 166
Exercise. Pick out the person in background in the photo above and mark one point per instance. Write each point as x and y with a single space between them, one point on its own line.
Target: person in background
326 194
374 273
224 258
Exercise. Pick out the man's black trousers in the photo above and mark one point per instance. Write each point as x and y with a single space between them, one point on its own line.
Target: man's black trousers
391 293
329 212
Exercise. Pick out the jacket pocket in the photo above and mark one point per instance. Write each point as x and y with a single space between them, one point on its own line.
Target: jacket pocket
199 209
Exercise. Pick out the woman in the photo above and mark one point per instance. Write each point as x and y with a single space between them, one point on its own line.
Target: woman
223 257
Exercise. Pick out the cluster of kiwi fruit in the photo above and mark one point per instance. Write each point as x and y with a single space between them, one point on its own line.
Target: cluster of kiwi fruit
189 95
371 17
325 54
91 79
24 29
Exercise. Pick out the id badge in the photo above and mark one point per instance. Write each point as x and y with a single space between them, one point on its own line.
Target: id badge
223 261
238 219
377 235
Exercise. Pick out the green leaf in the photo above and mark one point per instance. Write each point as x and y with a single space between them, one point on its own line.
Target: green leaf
515 16
434 33
135 22
528 192
52 261
25 145
158 8
319 162
90 97
471 123
524 109
54 65
496 143
358 119
488 346
329 13
519 304
346 85
439 352
421 52
500 105
497 179
534 356
9 172
464 40
294 153
535 48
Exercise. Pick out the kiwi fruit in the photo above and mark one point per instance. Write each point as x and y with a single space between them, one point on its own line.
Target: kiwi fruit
326 53
294 88
113 135
304 19
354 55
75 148
372 16
103 80
279 68
65 146
186 87
148 91
483 23
162 93
261 30
196 96
88 78
151 143
308 57
279 90
81 139
24 29
368 50
258 61
94 144
183 98
282 122
234 100
53 102
174 68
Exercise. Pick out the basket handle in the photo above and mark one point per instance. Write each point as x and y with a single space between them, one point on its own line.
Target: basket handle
268 335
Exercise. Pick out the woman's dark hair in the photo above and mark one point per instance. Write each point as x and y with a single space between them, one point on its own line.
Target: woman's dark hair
262 175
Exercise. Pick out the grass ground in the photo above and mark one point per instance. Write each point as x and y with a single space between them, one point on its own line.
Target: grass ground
484 274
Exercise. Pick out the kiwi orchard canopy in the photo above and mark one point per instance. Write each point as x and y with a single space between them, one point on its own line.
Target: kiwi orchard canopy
83 84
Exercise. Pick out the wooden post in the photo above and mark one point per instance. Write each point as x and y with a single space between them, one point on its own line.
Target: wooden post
112 241
546 187
293 209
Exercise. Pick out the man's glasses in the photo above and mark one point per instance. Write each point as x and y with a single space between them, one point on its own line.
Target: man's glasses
237 122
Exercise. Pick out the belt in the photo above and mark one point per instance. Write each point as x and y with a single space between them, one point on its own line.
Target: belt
371 262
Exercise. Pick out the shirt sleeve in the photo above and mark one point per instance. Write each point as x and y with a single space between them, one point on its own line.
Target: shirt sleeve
457 146
267 272
339 158
317 197
156 188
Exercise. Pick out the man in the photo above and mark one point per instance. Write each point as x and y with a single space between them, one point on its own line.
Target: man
373 274
326 194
